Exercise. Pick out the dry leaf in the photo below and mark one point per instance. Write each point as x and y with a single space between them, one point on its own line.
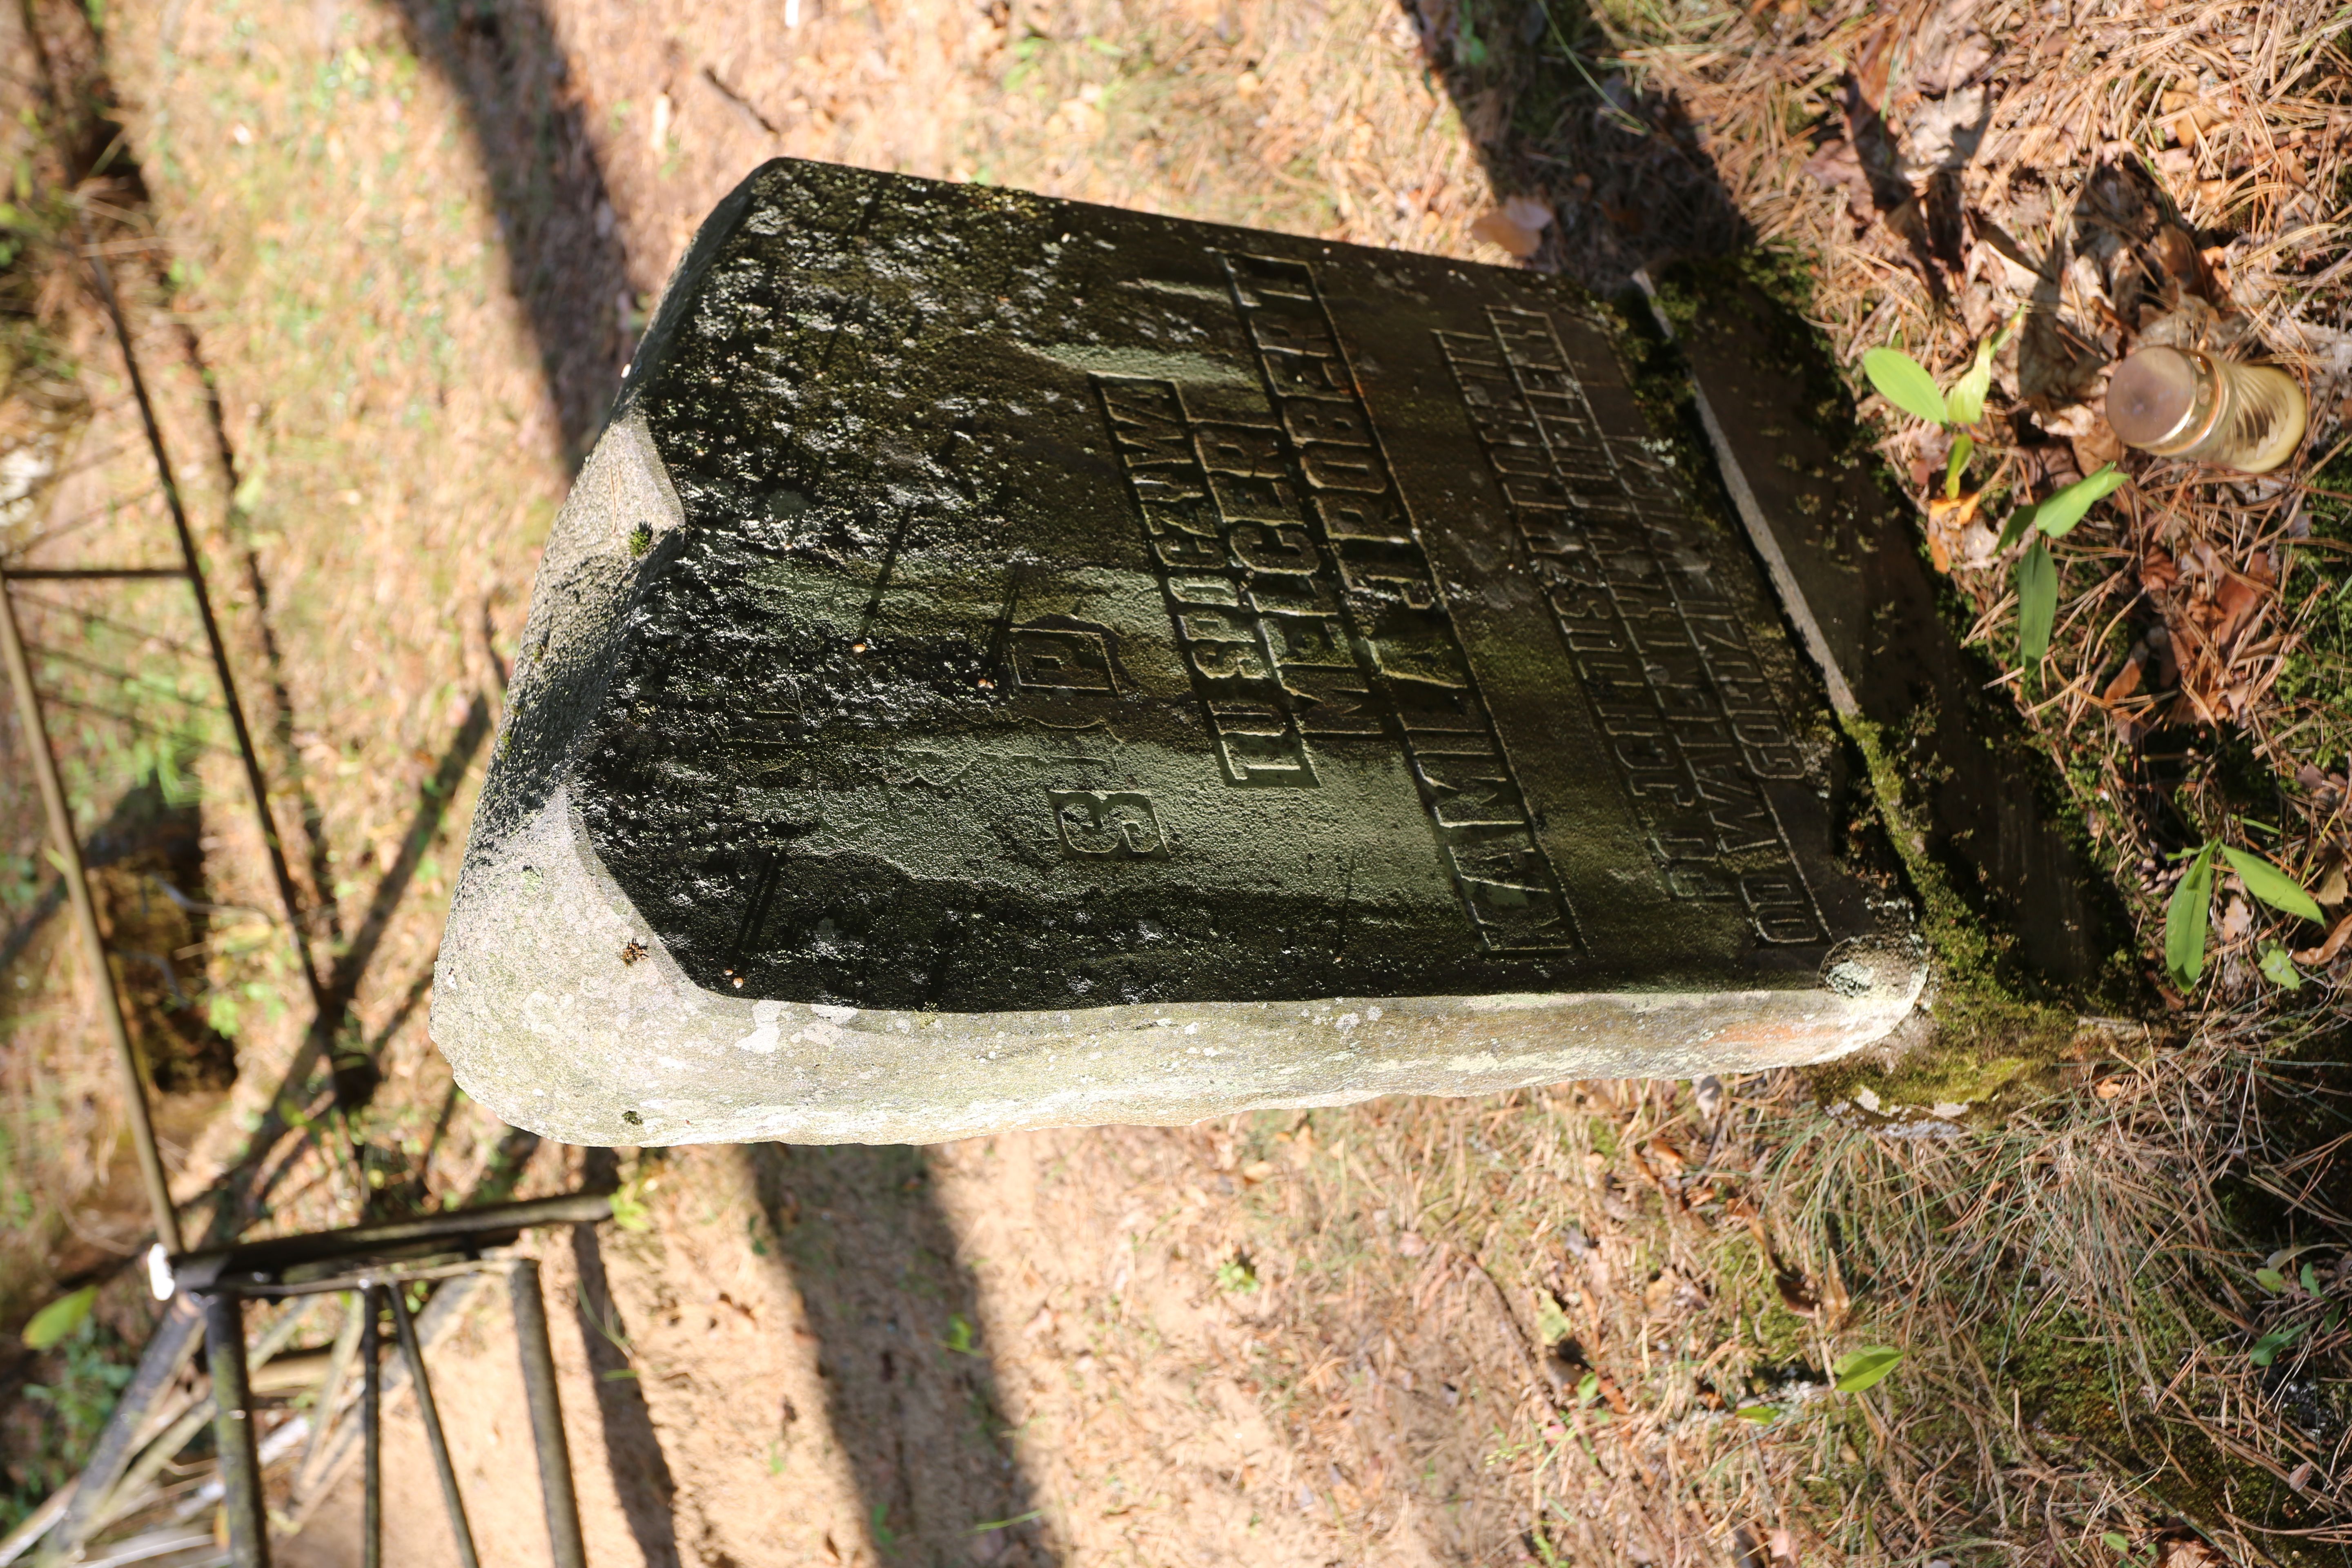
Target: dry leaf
1945 133
1839 166
2238 598
2312 957
1948 50
2126 683
1516 226
1954 534
2237 921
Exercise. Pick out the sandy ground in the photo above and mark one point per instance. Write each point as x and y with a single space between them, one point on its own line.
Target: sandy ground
877 1355
411 247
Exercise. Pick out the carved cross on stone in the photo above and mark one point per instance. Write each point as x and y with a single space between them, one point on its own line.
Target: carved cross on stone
1011 663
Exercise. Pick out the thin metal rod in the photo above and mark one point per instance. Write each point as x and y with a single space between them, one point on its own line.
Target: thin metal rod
254 781
132 1081
240 1464
168 1350
89 574
563 1538
261 1291
434 1437
277 1254
371 1422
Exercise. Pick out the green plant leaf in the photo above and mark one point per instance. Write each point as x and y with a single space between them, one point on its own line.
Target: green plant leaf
1588 1388
2309 1280
2115 1542
630 1211
2267 1348
2270 1279
2279 969
1962 449
2037 603
59 1318
1762 1415
2184 920
2058 515
2014 529
1866 1368
1965 402
1551 1322
1905 381
2271 884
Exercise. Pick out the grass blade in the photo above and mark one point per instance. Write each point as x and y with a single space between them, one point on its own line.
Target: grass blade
1965 401
1866 1368
2058 515
2037 603
2184 920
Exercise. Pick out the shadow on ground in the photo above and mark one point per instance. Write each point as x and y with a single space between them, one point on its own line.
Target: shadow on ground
565 253
1624 170
910 1391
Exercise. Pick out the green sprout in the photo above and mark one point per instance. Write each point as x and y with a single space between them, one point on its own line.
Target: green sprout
2188 916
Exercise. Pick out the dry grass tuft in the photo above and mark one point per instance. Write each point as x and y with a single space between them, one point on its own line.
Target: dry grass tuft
2110 174
2117 174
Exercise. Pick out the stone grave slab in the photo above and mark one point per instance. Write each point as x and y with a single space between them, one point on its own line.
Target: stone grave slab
1012 663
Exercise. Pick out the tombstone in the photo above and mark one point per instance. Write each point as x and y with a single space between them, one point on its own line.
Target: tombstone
1011 663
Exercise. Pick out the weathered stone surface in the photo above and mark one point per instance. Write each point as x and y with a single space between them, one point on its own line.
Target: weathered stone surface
1011 663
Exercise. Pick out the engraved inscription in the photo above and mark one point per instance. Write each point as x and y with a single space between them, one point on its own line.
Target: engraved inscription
1305 607
1061 659
1112 824
1689 720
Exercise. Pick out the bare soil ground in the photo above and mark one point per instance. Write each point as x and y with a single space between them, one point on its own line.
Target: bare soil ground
411 249
387 258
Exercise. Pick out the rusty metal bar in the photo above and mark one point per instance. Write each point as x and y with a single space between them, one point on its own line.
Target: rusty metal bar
194 571
371 1422
85 914
435 1437
565 1543
486 1225
240 1463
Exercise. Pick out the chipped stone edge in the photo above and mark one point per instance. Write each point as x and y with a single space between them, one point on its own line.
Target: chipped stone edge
546 1023
552 995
